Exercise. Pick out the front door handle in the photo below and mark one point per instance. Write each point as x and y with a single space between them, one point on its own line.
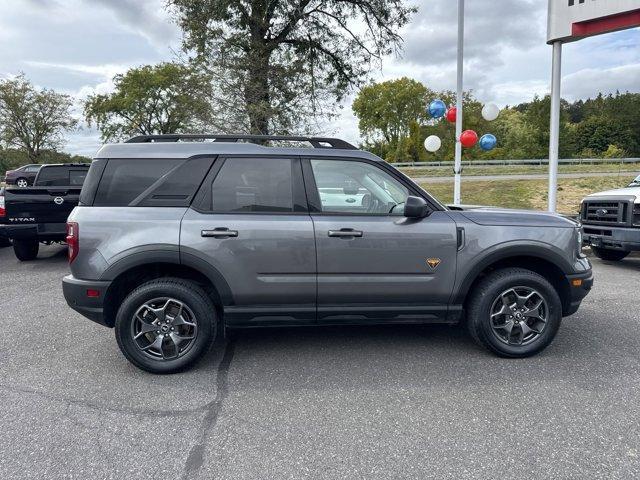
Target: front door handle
345 233
220 232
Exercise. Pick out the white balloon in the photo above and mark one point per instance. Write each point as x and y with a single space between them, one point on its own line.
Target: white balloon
490 111
432 143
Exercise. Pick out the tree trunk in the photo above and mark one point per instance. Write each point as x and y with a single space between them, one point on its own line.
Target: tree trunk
256 90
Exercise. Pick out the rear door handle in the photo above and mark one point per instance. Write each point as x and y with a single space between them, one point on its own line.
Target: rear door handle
220 232
345 233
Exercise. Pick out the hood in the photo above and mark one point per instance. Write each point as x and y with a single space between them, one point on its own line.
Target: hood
513 217
619 192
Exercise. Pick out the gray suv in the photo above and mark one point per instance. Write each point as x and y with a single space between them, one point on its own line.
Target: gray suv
179 237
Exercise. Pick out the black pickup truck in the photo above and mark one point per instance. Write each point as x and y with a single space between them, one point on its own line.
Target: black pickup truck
39 214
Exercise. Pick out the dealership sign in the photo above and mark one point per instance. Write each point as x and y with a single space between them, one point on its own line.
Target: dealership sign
571 20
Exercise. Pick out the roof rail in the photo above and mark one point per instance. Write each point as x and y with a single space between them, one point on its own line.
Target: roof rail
316 142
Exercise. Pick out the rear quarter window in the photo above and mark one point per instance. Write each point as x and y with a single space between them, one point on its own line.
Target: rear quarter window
151 182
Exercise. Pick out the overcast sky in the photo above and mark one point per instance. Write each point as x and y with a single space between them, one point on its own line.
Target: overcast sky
76 46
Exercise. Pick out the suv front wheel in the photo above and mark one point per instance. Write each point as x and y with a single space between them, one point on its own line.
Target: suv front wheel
166 325
514 312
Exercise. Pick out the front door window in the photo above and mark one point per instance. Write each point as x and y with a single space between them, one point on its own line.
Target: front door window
357 188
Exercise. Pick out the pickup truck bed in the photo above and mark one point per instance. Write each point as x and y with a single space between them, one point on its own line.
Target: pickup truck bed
37 214
41 211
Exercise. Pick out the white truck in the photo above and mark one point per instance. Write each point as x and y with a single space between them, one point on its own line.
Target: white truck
611 221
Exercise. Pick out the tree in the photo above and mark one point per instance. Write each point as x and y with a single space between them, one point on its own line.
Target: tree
597 133
153 99
285 63
387 109
31 119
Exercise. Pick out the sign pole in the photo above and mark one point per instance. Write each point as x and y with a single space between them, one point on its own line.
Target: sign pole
554 133
458 153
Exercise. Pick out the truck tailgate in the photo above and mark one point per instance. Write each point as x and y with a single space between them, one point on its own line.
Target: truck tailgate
40 204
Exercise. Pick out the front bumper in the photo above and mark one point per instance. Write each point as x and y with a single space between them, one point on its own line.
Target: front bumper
75 293
613 238
579 286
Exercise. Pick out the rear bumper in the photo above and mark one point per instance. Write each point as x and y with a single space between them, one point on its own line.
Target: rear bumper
579 286
614 238
54 232
75 293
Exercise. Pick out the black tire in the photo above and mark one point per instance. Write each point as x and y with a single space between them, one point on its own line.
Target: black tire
490 290
196 301
22 182
610 255
26 250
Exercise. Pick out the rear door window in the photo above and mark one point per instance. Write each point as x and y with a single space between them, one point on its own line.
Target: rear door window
254 185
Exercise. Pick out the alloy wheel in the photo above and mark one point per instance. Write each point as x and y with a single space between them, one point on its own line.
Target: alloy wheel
164 328
519 315
22 183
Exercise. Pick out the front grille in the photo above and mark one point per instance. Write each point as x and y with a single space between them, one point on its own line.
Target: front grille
605 212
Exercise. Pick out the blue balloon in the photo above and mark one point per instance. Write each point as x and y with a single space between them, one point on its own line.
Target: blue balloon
488 142
437 109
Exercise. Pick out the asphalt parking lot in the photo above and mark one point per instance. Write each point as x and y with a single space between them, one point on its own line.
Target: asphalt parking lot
393 402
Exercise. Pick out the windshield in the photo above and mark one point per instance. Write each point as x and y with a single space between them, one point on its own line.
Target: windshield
636 182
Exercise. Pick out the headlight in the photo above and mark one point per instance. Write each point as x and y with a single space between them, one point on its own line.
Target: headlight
579 243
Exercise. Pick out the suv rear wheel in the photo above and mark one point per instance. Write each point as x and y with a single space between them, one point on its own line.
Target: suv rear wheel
611 255
166 325
26 250
514 312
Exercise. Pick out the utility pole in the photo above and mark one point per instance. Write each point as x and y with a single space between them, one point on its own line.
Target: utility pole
554 133
459 93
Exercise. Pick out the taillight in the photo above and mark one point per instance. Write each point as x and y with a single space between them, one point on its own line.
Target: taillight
73 240
3 212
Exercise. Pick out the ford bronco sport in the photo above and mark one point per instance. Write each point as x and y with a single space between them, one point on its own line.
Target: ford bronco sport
179 237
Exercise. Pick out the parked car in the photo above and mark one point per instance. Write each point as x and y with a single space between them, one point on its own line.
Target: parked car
174 241
611 221
22 177
39 214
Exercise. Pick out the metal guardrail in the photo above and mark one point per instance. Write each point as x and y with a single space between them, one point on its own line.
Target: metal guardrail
540 162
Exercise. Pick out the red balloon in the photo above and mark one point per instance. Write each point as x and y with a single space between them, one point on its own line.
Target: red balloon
468 138
451 114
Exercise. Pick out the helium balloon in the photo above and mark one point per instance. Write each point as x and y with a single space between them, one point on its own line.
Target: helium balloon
437 109
468 138
432 143
451 115
487 142
490 111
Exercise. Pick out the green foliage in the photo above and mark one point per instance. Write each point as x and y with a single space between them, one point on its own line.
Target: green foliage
394 125
387 110
31 119
613 151
280 65
153 99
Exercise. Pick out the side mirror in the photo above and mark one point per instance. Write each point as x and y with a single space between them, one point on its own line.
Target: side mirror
415 207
